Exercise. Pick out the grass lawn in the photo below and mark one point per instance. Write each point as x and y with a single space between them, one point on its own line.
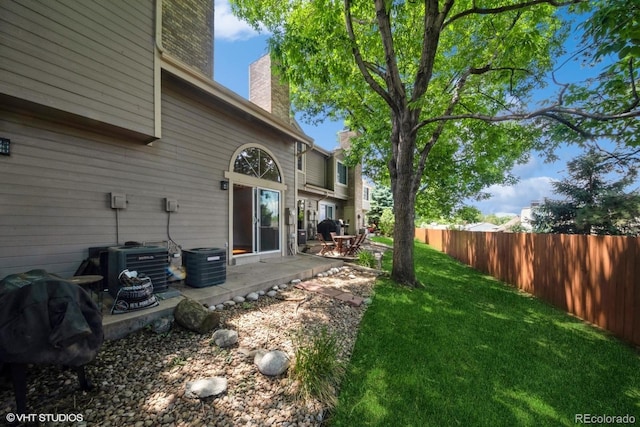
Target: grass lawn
471 351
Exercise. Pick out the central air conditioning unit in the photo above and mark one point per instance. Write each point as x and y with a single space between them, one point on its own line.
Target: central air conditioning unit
151 261
205 266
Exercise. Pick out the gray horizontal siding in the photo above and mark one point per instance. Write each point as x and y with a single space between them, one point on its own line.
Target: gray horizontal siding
54 201
91 58
316 169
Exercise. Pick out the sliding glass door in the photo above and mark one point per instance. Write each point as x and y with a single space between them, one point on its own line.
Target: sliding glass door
256 220
269 221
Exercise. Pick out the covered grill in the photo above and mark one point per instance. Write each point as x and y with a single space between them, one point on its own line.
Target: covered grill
46 320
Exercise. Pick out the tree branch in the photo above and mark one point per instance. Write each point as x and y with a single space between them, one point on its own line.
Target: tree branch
360 61
424 153
634 89
622 159
495 10
433 19
552 112
375 69
395 85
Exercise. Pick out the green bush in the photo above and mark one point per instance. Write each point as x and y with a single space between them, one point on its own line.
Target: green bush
367 259
317 368
387 221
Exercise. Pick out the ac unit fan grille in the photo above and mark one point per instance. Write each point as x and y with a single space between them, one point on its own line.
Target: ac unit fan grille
153 265
151 261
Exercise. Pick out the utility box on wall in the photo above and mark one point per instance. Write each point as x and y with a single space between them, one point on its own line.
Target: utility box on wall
302 237
205 266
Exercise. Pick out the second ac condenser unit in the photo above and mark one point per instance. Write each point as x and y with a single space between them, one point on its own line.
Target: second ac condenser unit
205 266
151 261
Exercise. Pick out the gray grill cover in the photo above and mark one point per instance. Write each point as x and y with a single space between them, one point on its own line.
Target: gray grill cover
45 319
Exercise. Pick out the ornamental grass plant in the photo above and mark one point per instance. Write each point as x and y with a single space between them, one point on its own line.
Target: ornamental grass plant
317 369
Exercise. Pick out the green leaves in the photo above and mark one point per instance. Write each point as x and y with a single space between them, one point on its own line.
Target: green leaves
441 92
615 28
595 201
606 104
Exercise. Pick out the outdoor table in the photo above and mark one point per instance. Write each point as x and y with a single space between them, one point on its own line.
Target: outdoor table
340 242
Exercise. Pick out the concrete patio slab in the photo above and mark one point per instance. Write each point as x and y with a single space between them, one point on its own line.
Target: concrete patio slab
240 281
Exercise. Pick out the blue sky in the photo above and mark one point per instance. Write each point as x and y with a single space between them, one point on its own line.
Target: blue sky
237 46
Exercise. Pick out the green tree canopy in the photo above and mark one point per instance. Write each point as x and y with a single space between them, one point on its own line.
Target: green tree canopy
468 215
381 198
438 90
595 200
495 219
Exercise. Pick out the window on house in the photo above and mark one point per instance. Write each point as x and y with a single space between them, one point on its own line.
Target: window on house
257 163
342 173
300 149
326 211
365 193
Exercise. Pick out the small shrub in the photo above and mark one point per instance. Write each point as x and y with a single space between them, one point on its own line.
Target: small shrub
177 361
317 368
366 259
387 222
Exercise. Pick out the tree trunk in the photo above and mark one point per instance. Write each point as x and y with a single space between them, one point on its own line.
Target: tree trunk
404 196
403 270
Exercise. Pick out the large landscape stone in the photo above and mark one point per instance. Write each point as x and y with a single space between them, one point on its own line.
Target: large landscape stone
272 363
205 387
225 337
192 315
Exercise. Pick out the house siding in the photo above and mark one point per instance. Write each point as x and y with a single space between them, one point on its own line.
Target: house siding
206 138
55 203
316 172
92 59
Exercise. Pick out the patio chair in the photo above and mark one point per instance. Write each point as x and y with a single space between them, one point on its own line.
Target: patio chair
355 246
327 247
333 236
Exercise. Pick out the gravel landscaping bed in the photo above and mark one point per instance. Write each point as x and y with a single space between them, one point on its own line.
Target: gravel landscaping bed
140 380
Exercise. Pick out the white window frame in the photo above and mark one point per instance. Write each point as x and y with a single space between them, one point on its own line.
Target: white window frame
322 211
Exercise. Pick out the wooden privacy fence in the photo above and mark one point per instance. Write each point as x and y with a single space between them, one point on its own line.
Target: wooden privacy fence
596 278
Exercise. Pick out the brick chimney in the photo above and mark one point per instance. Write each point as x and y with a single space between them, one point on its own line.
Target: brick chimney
344 138
187 32
266 89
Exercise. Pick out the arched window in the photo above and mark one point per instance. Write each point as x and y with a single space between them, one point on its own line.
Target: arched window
253 161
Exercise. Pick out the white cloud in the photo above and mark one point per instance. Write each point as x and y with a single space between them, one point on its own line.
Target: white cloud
227 27
513 198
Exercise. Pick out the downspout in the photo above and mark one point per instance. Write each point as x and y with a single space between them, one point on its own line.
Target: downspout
296 183
159 27
293 235
157 73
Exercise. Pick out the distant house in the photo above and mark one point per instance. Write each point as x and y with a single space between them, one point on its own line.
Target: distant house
508 226
481 226
329 189
526 216
116 132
